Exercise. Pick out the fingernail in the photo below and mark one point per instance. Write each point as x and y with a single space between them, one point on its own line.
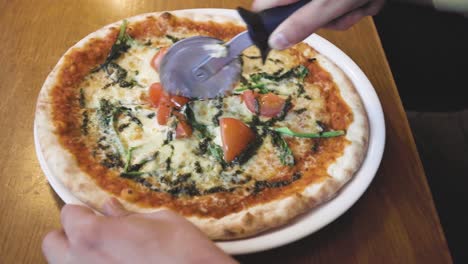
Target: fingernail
279 41
257 6
115 203
112 205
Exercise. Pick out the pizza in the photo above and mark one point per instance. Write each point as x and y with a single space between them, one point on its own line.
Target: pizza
287 137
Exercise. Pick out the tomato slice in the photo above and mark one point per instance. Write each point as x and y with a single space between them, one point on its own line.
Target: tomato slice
156 92
250 99
160 98
179 101
156 60
236 136
183 130
164 112
270 104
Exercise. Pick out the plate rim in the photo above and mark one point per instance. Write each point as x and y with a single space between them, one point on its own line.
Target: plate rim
327 212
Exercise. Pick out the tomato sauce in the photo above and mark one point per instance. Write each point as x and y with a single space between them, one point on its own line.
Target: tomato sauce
66 115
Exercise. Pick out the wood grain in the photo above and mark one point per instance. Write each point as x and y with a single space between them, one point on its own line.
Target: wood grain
394 222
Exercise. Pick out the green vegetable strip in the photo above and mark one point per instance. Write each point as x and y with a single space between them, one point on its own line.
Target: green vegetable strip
123 27
129 158
131 174
108 115
121 45
284 152
194 123
328 134
255 83
216 152
241 90
114 132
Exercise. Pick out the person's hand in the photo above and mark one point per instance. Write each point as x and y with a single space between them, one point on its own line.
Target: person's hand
332 14
121 237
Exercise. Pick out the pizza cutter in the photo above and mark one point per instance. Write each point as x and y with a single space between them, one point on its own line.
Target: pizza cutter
204 67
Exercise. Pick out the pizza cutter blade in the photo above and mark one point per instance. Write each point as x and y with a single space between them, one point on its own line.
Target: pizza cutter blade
204 67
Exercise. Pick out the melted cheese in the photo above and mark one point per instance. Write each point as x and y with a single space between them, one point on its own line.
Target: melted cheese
139 60
166 159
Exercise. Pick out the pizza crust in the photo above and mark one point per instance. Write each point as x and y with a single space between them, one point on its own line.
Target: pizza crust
250 221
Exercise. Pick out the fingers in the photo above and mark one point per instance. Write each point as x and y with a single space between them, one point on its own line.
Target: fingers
55 247
164 214
112 207
259 5
80 224
309 19
72 214
82 232
374 7
346 21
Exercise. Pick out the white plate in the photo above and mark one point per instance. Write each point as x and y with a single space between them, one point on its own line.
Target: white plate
329 211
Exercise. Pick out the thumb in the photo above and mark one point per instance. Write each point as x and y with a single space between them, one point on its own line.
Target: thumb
112 207
308 19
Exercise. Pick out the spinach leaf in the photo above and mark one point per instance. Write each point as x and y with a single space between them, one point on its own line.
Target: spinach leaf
82 99
261 87
249 151
301 72
133 118
172 38
131 174
107 116
119 75
121 45
300 111
257 80
84 123
216 152
284 152
112 160
138 166
218 103
129 158
187 110
105 112
261 185
298 72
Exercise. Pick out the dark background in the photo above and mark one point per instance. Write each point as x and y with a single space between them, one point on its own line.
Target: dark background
428 54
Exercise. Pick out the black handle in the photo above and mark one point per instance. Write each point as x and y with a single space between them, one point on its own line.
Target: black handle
262 24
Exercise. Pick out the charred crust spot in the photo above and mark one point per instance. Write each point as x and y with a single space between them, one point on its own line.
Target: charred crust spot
248 219
229 233
166 16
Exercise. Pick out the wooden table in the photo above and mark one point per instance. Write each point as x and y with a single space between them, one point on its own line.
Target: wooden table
394 222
